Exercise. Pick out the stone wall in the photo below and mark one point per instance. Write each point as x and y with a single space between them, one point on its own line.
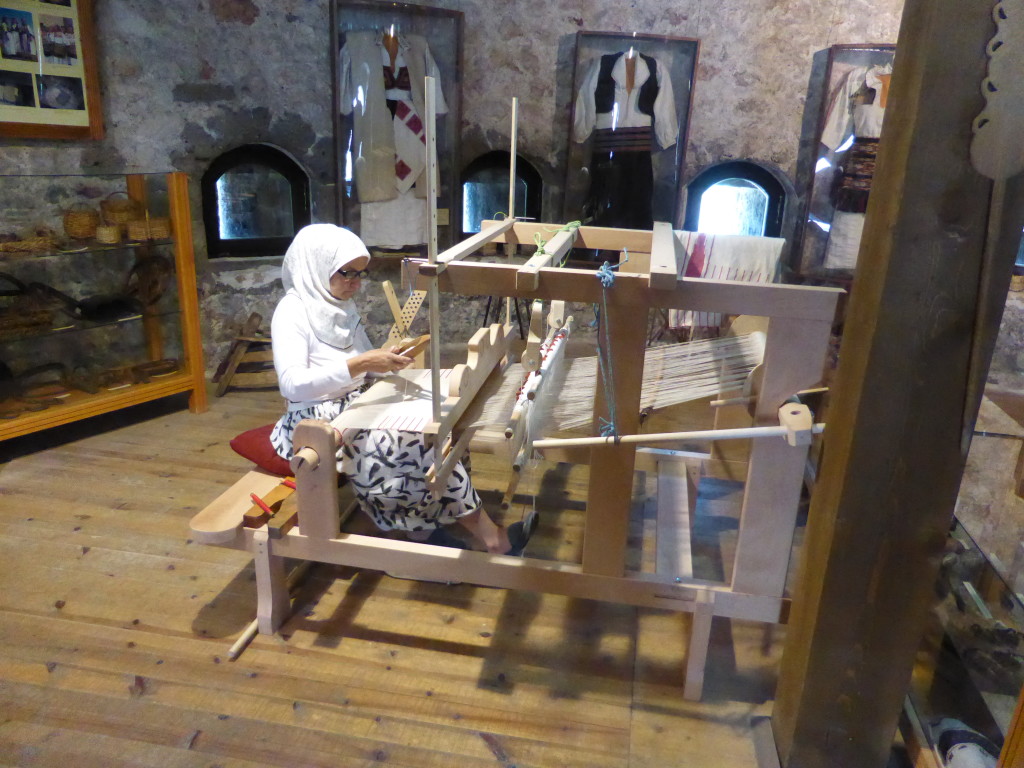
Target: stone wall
184 80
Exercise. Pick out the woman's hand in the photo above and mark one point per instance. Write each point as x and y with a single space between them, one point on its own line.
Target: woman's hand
377 361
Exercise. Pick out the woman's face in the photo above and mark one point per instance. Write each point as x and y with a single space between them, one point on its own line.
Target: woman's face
346 287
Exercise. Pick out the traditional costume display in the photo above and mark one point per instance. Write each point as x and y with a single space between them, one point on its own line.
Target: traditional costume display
854 115
627 124
388 148
314 336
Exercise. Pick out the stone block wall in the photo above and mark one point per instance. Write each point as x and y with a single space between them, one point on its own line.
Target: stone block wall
184 80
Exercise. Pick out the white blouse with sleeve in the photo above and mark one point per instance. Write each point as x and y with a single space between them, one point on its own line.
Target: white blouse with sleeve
309 371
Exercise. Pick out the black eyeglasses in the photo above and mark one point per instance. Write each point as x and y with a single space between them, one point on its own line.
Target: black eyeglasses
348 274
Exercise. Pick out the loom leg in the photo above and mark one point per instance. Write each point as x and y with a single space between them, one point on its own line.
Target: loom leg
697 653
272 603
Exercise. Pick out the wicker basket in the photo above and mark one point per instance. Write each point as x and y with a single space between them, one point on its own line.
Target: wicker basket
23 311
119 210
80 222
108 234
158 228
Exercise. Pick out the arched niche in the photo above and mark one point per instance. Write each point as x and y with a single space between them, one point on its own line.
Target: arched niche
255 198
738 197
485 189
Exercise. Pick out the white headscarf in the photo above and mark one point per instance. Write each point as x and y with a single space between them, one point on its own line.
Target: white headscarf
316 253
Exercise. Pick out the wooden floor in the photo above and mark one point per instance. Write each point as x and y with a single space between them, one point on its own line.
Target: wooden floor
114 631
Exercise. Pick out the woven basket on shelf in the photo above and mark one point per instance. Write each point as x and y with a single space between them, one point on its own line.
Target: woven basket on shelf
30 245
23 310
157 228
80 222
119 210
108 234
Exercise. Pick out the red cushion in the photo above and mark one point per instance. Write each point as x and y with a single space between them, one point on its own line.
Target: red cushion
255 446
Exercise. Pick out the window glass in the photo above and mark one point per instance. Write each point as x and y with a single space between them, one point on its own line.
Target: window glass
733 207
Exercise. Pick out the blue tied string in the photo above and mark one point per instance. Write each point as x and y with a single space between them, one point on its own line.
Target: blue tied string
606 275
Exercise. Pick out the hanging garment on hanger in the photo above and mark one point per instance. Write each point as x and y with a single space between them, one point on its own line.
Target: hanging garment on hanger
627 124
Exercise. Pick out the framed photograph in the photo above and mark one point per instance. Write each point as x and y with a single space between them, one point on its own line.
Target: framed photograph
383 51
49 88
856 89
631 98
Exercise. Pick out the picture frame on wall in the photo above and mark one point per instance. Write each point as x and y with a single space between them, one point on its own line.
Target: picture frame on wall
49 86
854 98
382 52
631 97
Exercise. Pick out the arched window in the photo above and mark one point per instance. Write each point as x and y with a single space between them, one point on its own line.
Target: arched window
735 198
255 198
485 189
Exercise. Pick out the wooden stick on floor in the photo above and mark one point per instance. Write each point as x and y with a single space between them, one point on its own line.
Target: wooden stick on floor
294 578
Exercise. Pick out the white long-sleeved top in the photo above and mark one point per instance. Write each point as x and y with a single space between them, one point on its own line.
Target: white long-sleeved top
309 371
625 113
845 117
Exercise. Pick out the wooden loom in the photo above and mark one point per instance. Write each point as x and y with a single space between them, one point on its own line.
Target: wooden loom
796 342
797 337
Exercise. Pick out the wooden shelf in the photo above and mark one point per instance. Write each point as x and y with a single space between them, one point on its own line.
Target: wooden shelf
187 342
82 405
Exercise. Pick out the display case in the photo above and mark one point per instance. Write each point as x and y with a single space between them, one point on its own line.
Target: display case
383 51
969 671
853 101
631 97
970 668
98 304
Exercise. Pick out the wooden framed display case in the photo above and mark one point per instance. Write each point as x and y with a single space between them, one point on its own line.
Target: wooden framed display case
855 94
98 304
379 112
970 666
631 98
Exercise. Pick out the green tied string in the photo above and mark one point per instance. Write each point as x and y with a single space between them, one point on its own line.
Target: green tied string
540 242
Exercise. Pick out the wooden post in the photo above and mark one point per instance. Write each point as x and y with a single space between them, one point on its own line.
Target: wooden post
434 310
513 148
177 191
893 457
611 467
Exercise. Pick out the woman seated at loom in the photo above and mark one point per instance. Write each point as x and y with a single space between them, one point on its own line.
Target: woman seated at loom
323 357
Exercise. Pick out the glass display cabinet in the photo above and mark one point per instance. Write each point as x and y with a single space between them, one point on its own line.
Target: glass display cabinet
382 53
98 304
853 102
970 668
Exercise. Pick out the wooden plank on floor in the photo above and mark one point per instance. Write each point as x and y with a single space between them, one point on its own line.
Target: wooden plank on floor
676 502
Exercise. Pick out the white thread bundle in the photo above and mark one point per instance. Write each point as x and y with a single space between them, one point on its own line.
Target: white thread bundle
673 374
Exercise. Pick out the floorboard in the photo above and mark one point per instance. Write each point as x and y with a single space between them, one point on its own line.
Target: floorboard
115 626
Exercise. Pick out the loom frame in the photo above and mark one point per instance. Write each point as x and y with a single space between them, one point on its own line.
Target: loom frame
799 327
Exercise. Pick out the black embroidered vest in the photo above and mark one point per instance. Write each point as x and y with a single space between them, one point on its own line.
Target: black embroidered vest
604 93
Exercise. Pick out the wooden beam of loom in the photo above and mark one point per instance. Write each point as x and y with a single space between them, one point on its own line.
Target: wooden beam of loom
428 561
489 230
552 251
699 295
603 238
412 389
667 257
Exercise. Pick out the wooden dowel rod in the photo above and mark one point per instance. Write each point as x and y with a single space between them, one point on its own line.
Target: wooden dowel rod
305 456
434 314
297 574
243 640
732 401
668 437
513 141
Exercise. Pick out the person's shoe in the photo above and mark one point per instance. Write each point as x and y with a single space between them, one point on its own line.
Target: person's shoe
519 533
